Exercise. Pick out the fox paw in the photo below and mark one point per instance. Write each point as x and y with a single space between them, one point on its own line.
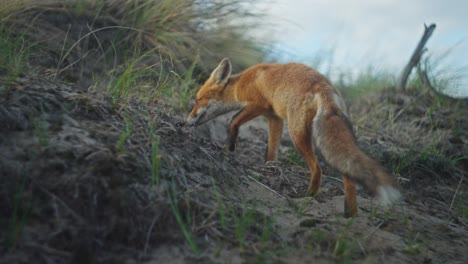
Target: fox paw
230 147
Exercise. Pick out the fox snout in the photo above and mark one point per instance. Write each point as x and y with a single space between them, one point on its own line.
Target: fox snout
191 120
195 116
214 108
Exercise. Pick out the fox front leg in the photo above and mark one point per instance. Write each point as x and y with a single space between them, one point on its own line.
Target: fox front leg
232 138
246 114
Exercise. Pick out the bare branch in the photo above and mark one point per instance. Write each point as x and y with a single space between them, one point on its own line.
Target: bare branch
416 57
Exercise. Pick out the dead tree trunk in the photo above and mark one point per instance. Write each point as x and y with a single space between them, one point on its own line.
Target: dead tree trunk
414 60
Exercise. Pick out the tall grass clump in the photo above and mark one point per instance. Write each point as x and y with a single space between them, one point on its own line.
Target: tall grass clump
370 80
137 43
14 55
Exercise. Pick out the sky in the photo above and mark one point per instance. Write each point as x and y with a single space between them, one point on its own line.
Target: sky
378 35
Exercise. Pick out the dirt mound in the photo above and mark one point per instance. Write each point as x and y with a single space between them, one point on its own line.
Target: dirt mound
87 180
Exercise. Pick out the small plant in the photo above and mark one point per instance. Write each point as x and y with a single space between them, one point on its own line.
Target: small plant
155 161
184 88
317 236
42 130
14 55
413 246
124 79
344 245
267 230
242 224
300 206
19 216
184 225
294 158
124 136
220 206
464 213
343 248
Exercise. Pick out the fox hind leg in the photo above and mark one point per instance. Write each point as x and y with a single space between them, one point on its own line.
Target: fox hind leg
275 130
302 139
350 204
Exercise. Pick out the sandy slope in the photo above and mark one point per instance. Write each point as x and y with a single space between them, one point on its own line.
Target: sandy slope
76 187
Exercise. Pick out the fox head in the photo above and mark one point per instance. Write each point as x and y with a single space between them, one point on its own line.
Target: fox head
211 99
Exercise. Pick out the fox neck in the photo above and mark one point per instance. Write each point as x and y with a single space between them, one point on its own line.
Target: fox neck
230 102
229 92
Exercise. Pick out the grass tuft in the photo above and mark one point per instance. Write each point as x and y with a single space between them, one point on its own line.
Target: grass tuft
130 46
14 55
183 224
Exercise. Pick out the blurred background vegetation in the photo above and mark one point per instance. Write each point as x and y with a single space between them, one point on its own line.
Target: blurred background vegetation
148 49
129 47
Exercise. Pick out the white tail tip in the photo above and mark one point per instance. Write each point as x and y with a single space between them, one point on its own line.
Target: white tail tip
388 195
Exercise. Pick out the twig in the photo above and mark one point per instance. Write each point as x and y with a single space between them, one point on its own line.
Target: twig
336 179
373 230
148 235
456 192
70 211
271 164
48 249
266 187
362 248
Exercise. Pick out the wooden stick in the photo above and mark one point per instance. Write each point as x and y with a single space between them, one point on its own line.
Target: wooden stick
416 57
456 193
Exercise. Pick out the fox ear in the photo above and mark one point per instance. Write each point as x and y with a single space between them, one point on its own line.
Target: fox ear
222 73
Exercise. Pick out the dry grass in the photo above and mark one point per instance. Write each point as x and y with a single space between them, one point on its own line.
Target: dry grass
145 42
421 137
92 173
78 180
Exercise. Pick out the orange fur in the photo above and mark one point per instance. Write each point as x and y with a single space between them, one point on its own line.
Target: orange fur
312 107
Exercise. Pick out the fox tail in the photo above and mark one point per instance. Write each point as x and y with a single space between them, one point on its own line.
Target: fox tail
336 141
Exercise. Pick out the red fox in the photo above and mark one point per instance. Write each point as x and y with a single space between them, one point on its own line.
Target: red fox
312 108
